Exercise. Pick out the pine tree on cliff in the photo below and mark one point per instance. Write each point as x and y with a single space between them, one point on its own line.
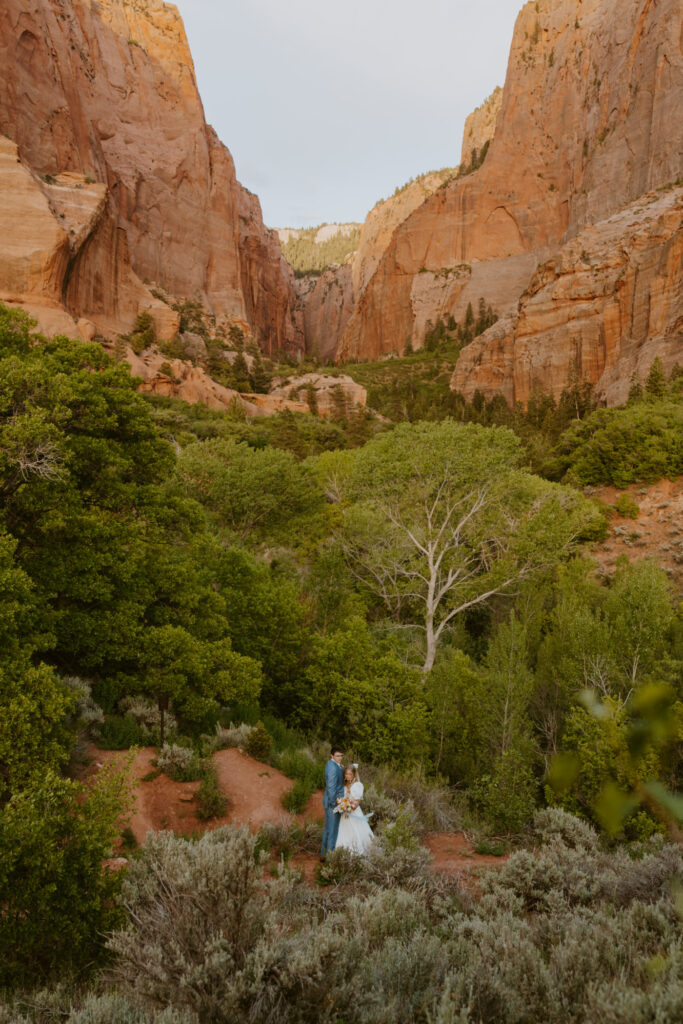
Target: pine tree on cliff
655 385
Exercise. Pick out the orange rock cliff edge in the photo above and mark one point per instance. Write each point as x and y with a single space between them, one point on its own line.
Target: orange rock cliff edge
571 227
111 178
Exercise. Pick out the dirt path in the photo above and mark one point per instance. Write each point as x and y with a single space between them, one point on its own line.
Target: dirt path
254 791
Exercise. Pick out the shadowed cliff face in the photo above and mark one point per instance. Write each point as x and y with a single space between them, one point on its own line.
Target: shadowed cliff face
107 90
589 121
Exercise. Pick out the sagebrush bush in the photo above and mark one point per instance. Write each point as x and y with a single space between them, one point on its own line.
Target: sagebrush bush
569 933
146 713
437 808
235 736
180 763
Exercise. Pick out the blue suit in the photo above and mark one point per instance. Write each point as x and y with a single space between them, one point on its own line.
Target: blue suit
334 788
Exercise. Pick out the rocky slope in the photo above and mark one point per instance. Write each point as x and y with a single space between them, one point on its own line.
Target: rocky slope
120 180
589 122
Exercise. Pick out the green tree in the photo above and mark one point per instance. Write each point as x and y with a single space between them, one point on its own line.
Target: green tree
57 898
362 694
34 704
655 385
251 491
438 519
196 676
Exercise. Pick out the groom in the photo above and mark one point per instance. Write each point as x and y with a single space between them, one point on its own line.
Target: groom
334 788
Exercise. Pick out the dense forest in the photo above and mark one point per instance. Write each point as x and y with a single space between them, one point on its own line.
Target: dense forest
418 588
306 255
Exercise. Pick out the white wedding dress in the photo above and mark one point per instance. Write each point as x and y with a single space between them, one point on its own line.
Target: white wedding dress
354 832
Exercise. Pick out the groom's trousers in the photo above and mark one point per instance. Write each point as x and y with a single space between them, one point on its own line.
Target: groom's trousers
329 832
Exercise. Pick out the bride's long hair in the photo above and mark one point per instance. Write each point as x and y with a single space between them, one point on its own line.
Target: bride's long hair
354 774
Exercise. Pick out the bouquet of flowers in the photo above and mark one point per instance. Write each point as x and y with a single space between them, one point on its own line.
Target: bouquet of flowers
345 805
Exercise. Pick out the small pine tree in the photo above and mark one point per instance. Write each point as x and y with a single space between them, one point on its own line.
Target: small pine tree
258 743
635 391
260 377
240 372
312 398
655 385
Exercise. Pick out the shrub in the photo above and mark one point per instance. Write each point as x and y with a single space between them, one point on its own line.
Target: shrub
259 742
235 736
627 507
119 733
308 774
180 763
211 802
553 823
400 833
296 799
146 713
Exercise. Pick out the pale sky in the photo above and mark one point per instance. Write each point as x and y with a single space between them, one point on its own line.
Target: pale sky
327 106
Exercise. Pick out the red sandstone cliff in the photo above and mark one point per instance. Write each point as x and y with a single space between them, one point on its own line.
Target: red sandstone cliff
589 122
101 99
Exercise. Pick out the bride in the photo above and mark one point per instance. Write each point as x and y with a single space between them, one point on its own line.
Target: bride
354 832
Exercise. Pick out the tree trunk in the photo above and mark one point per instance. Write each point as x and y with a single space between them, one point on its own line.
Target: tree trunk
431 644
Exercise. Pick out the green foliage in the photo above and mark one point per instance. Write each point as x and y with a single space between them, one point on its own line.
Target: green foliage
642 441
307 772
119 733
143 334
56 897
627 506
259 741
476 160
307 256
250 491
211 802
34 703
360 692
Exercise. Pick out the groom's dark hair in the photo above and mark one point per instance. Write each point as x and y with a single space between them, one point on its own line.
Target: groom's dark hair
336 750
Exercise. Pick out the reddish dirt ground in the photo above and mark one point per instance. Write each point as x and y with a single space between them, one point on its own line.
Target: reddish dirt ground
254 792
656 532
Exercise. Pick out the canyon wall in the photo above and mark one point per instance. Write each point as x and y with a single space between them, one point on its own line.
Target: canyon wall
328 302
100 98
589 122
480 126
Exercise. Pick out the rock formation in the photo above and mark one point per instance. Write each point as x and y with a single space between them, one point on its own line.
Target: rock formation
600 309
328 301
322 393
589 122
125 181
480 126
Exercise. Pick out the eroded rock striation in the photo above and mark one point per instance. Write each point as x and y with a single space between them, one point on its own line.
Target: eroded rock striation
589 122
600 309
125 181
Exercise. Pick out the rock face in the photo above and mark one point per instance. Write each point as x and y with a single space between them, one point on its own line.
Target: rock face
480 126
600 309
328 302
100 96
589 122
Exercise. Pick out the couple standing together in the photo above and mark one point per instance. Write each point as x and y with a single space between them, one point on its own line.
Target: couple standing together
345 824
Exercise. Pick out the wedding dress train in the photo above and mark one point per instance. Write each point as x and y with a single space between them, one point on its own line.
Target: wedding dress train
354 832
